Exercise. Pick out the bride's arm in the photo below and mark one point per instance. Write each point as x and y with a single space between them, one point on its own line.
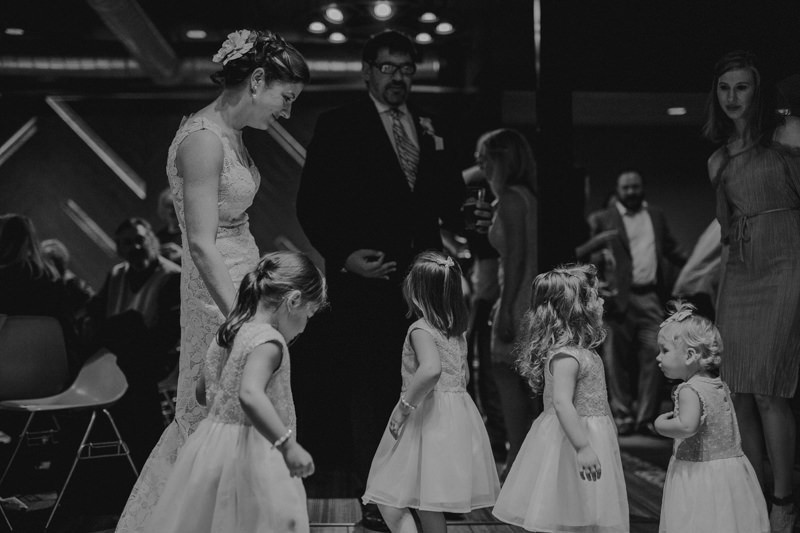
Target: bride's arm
199 162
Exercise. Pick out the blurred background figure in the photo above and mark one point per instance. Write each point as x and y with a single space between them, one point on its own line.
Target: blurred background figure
78 291
640 249
484 290
31 285
506 158
136 316
698 280
169 234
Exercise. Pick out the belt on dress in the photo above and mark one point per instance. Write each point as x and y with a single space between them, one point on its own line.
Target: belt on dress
741 227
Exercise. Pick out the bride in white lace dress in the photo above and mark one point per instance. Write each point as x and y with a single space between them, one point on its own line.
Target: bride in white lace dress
213 181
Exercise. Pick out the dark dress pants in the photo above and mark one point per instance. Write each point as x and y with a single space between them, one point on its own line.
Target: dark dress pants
634 379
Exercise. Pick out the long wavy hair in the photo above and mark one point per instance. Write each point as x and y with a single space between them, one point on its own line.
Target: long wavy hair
432 289
565 311
762 118
276 275
280 60
19 247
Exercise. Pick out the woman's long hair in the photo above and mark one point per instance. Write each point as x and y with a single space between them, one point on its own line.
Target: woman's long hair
19 247
275 276
511 156
565 311
762 118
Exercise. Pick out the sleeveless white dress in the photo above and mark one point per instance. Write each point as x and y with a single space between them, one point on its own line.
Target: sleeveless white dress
228 478
200 316
442 459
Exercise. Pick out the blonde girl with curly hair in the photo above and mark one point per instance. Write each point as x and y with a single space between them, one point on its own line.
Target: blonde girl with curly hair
568 474
710 484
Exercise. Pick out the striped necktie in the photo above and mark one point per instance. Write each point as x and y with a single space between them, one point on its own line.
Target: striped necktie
407 151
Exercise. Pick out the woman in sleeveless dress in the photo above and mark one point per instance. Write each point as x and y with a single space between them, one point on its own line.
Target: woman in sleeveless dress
213 181
505 157
756 174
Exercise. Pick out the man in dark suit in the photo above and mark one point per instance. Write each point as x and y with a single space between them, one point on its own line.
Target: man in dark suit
639 246
377 181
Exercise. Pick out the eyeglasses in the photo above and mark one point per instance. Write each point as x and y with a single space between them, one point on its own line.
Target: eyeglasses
406 69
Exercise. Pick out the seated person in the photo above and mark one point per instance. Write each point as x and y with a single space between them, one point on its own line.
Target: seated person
136 316
78 291
30 285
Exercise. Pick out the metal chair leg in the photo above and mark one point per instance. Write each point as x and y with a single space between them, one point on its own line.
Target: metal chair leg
72 468
22 436
122 442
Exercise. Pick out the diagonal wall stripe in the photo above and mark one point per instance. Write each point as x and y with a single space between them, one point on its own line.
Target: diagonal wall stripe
16 141
88 226
98 146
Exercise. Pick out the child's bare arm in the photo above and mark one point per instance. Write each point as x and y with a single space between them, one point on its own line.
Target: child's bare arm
565 375
261 364
429 369
687 422
424 380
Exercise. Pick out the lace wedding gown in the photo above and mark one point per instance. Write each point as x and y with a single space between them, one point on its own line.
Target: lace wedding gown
200 317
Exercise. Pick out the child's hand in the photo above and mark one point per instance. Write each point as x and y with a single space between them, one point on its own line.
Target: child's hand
298 460
397 420
662 419
588 464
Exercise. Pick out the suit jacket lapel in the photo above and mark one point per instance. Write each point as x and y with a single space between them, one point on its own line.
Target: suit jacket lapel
658 228
623 234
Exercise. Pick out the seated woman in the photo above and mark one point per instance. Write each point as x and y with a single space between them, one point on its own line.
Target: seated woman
29 285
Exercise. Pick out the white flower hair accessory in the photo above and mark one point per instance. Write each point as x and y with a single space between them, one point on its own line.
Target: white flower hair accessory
235 46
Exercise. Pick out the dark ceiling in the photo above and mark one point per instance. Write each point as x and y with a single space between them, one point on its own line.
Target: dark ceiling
587 45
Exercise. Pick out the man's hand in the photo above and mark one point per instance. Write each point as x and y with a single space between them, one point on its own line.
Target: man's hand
369 264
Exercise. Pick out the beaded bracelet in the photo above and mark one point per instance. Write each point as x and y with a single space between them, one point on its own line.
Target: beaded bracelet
281 441
407 405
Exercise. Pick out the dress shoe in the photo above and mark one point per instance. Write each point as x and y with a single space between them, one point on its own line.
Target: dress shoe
371 518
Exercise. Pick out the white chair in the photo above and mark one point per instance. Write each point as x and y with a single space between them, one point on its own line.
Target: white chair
99 385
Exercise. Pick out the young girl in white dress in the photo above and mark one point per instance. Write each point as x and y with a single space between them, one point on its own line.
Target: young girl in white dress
568 474
710 485
240 470
435 454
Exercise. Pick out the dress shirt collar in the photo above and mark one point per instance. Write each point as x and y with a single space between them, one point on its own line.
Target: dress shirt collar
383 108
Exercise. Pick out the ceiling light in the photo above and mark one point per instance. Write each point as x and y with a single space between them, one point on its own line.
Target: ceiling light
676 111
444 28
15 31
428 17
196 34
317 27
337 37
382 10
424 38
334 14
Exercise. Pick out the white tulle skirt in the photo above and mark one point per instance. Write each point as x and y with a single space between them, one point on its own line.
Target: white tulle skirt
442 460
227 478
544 492
713 496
